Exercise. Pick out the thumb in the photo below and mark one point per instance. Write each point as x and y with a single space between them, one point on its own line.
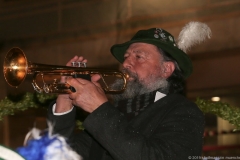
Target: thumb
95 78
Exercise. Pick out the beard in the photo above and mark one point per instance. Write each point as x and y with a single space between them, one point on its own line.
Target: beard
137 87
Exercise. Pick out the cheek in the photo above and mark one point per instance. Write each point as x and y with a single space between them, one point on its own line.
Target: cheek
149 72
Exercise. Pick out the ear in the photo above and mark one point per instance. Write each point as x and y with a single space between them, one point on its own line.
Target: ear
168 69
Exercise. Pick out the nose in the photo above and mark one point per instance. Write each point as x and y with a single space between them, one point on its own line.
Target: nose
128 63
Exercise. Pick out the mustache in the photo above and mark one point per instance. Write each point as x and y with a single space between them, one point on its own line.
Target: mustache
130 74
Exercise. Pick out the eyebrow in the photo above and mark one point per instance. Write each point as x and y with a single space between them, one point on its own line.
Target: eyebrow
138 51
134 51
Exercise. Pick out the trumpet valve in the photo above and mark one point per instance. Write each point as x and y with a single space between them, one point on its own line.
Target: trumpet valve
36 88
46 88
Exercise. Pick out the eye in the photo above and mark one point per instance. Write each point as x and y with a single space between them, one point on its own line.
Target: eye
138 57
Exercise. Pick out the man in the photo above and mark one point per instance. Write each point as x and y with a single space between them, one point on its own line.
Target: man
151 120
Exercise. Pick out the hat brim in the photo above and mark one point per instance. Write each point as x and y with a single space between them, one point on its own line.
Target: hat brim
181 57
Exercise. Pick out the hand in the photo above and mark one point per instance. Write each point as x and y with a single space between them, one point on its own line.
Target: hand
63 102
89 95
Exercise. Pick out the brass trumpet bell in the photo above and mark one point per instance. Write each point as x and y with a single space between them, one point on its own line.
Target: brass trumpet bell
16 67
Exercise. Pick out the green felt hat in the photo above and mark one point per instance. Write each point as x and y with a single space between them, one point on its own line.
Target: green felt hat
161 39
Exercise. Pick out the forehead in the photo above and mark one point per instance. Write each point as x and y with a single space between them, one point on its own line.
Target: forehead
143 47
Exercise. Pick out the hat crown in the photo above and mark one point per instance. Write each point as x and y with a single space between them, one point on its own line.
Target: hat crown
155 34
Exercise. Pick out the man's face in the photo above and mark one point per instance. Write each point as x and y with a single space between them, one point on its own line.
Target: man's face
145 67
144 61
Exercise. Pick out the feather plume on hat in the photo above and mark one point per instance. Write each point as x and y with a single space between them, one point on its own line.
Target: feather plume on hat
193 33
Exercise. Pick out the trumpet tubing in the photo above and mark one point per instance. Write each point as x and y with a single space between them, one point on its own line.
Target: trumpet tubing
16 68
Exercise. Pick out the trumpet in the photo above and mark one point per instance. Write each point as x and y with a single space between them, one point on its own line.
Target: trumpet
16 68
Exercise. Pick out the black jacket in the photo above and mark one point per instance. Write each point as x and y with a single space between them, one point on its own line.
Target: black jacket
170 128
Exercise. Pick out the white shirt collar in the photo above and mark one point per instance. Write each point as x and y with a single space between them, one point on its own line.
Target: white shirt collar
159 95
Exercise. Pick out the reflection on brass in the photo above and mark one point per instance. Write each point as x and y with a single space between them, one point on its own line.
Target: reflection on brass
16 67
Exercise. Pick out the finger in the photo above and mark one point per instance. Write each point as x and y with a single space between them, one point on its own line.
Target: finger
69 63
83 81
72 96
81 59
97 84
72 81
77 83
79 62
95 77
74 86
